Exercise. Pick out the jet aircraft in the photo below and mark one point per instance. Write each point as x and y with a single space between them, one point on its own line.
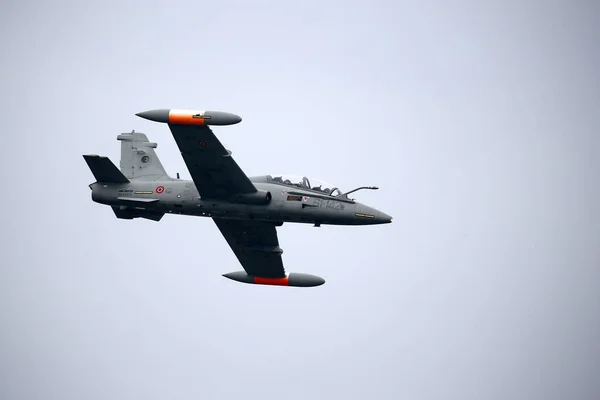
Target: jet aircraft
246 210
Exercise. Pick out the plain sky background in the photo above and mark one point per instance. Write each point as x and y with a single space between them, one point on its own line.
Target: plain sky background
479 121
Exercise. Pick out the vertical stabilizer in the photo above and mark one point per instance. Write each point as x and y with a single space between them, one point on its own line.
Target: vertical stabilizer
138 158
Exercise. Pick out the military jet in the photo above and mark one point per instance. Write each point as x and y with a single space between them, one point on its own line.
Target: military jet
246 210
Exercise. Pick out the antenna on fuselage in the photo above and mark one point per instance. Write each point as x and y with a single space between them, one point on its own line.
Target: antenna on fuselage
359 188
178 175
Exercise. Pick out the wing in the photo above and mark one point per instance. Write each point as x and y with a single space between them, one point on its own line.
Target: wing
256 246
214 172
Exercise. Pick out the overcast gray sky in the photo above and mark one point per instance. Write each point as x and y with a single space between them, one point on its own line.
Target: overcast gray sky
479 122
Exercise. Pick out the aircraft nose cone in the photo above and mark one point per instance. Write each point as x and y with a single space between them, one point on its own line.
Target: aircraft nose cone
370 216
384 218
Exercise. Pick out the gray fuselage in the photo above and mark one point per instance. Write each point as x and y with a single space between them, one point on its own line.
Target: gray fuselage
287 203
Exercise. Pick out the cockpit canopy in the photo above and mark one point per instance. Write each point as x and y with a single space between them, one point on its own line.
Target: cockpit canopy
304 183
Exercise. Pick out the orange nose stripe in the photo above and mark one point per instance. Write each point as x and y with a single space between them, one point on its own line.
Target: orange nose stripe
185 119
271 281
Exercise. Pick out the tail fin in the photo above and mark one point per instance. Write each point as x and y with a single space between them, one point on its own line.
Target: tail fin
138 158
104 170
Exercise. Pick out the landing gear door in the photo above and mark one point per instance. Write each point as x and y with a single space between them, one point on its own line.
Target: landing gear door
189 196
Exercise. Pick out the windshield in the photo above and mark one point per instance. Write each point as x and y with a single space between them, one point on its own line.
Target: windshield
303 182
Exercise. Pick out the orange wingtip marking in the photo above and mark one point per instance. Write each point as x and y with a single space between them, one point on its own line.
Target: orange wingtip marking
185 118
271 281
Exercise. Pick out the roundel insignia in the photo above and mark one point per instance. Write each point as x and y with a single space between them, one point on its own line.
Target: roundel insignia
160 189
202 143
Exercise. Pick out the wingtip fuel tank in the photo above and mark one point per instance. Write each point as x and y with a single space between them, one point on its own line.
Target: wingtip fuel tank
190 117
292 279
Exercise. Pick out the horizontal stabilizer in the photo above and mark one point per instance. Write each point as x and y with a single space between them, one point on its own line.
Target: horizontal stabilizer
131 213
104 170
